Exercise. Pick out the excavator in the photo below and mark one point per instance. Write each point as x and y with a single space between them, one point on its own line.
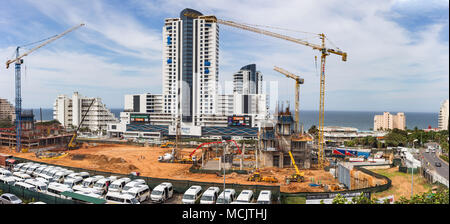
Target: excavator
168 144
73 144
256 176
298 176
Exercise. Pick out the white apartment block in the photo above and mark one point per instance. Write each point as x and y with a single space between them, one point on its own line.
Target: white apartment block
70 111
443 116
247 80
190 66
388 121
7 111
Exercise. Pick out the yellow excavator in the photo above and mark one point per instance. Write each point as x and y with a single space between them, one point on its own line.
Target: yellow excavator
73 144
256 176
167 145
298 176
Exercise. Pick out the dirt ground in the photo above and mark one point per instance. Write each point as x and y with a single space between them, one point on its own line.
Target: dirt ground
127 158
401 184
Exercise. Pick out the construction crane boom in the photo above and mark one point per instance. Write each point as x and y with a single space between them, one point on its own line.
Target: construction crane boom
284 37
43 44
72 143
324 53
18 63
298 81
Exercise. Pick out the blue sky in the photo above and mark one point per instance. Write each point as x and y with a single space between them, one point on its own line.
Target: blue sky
397 50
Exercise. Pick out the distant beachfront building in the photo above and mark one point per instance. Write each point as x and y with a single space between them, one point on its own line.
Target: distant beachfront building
443 116
388 121
7 111
70 111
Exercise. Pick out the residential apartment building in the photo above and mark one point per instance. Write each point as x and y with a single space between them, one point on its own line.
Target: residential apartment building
70 111
190 66
7 111
388 121
247 80
443 116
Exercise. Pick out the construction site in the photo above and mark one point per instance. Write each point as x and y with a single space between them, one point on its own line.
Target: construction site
283 154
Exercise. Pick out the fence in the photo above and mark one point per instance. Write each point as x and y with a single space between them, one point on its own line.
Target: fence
179 186
28 195
433 177
366 191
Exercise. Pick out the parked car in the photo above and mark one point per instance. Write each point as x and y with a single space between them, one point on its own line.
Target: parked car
192 195
9 199
140 192
438 164
162 192
118 198
132 184
246 196
226 197
210 195
265 197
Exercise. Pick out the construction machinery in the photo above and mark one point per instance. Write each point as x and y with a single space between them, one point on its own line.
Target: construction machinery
297 176
167 144
298 81
258 177
18 63
208 143
73 144
324 53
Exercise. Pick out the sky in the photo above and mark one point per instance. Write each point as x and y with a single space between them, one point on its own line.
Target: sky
398 50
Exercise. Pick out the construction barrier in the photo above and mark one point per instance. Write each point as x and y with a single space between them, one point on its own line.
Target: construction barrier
28 195
180 186
195 170
367 190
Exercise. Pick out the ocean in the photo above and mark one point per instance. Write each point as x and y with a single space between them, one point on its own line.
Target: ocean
362 120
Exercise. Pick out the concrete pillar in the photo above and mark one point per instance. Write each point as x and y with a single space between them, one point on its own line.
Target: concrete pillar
203 159
280 165
220 163
257 161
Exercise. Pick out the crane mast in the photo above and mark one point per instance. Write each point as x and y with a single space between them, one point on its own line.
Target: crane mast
18 63
324 53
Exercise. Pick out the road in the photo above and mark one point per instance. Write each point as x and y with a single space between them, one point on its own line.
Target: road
432 158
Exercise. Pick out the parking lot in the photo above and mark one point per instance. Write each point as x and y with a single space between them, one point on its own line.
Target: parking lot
66 180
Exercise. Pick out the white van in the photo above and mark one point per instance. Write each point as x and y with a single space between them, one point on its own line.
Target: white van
192 195
265 197
71 182
88 190
102 185
5 172
40 186
162 192
26 186
117 186
118 198
210 195
246 196
55 189
90 181
133 183
7 180
31 169
59 177
141 192
21 175
38 171
90 194
43 180
226 197
17 167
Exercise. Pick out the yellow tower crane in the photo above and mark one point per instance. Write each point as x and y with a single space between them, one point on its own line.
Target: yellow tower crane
298 81
325 52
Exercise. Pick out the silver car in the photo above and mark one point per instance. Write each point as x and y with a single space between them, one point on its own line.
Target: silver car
9 199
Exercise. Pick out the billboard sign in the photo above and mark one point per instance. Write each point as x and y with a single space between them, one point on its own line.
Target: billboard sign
239 121
139 118
186 130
